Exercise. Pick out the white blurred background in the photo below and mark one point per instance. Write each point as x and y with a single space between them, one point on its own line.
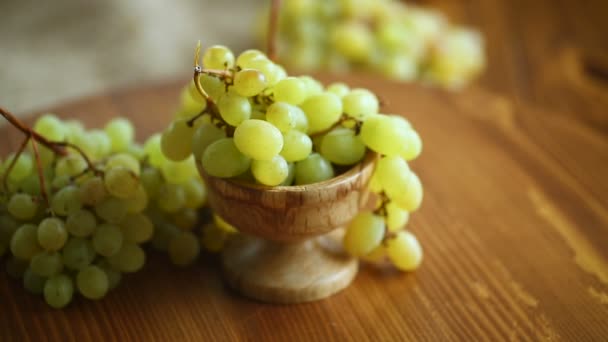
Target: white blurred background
54 51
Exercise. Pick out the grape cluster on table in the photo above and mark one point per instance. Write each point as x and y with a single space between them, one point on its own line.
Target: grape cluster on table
388 37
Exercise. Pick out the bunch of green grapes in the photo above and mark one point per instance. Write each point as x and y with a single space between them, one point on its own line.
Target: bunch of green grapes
402 42
245 118
103 204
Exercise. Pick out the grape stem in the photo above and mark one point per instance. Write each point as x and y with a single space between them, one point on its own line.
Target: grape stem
90 165
271 48
45 196
31 133
344 118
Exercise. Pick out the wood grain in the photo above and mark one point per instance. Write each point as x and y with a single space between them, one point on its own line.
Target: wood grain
514 225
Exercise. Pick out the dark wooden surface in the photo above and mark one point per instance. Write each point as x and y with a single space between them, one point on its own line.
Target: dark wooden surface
514 226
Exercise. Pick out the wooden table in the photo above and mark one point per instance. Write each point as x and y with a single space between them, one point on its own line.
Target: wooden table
514 225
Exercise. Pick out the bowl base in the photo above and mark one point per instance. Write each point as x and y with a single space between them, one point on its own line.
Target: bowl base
287 272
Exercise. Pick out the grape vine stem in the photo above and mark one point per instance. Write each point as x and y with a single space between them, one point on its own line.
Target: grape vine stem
271 48
12 119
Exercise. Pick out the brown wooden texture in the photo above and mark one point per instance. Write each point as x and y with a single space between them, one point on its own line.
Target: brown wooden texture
514 225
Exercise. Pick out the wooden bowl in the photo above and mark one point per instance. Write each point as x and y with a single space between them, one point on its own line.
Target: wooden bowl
287 253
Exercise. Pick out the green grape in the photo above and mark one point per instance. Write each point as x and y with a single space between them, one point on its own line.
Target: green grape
137 228
139 201
58 291
61 182
396 218
409 198
176 140
46 264
121 182
313 169
339 89
258 139
151 179
399 67
282 115
223 159
33 282
77 253
213 238
413 146
313 87
22 168
392 173
205 134
190 105
296 146
291 174
272 72
101 141
213 86
24 242
404 251
249 82
47 157
171 197
247 55
52 234
92 282
153 151
50 127
196 193
234 108
16 267
92 191
184 249
360 103
185 219
384 134
223 225
270 172
107 239
121 133
179 172
66 201
130 258
376 255
163 233
124 160
71 165
364 234
112 209
114 276
353 40
31 185
86 144
322 110
341 146
374 184
22 206
290 90
218 57
73 129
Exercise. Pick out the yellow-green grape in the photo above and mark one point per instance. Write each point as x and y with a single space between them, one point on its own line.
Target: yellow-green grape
121 134
139 201
214 238
258 139
163 233
223 225
58 291
412 147
86 144
341 146
171 197
47 157
223 159
101 141
121 182
184 248
313 87
33 282
282 115
384 134
185 219
190 104
71 165
24 243
404 251
50 127
52 234
270 172
92 282
31 184
22 168
290 90
340 89
247 55
353 40
313 169
271 71
153 151
396 218
46 264
376 255
92 191
137 228
392 173
22 206
360 103
81 223
136 151
409 198
364 234
107 239
151 179
112 209
176 140
296 146
124 160
218 57
399 67
249 82
77 253
114 276
129 259
205 134
213 86
291 175
73 128
66 201
234 108
196 193
179 172
322 111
